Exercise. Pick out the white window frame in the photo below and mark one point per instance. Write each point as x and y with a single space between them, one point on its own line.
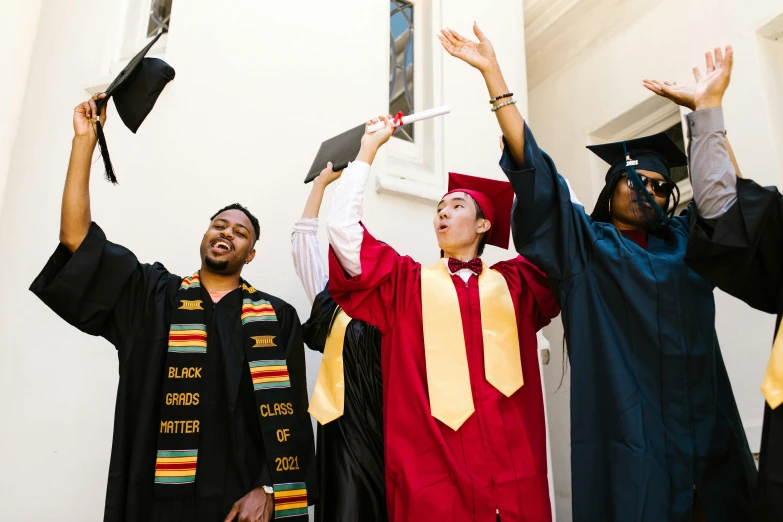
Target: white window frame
415 170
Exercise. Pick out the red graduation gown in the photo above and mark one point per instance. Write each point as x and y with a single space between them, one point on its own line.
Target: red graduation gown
497 459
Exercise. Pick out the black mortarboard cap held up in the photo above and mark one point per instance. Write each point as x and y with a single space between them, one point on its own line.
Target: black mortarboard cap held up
135 91
340 150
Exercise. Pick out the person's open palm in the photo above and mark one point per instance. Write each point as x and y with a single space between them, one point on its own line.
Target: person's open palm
709 89
679 94
480 55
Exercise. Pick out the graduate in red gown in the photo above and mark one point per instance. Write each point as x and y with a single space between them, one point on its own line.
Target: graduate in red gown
463 409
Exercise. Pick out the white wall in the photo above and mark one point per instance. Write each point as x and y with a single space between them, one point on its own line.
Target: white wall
602 82
259 85
18 29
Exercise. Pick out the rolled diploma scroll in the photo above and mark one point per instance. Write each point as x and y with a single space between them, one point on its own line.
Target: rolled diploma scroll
418 116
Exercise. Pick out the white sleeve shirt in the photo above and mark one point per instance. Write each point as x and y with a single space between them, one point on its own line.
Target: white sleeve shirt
308 263
343 224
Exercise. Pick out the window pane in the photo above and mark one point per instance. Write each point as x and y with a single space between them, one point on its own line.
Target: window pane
160 13
401 63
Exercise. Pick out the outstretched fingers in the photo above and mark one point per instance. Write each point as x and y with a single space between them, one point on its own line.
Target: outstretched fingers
652 86
459 37
710 62
447 46
728 60
450 37
479 34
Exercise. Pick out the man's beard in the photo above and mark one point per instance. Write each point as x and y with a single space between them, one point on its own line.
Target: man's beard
215 265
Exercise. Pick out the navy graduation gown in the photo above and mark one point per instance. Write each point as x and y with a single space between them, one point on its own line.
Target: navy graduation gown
743 256
653 417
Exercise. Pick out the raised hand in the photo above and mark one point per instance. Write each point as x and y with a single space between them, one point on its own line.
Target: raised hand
709 89
372 141
84 116
679 94
327 176
480 55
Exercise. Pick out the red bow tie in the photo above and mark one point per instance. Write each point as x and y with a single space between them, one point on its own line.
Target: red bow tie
474 265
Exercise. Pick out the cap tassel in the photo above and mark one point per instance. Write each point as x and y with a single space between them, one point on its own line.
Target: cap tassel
104 148
642 194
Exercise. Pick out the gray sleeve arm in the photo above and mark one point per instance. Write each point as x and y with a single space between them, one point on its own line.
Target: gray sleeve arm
712 173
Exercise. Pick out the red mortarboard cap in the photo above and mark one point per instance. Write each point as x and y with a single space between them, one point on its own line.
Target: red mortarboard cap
495 199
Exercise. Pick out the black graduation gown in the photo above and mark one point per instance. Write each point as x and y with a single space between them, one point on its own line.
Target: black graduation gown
102 289
350 449
743 256
653 417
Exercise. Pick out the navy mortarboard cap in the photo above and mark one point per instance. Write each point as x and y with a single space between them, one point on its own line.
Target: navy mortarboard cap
135 91
656 153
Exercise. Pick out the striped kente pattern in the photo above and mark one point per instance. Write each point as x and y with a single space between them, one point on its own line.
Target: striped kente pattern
260 310
269 375
191 282
188 338
176 467
290 500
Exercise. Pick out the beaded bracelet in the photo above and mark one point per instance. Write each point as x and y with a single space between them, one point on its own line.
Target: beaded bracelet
504 104
496 98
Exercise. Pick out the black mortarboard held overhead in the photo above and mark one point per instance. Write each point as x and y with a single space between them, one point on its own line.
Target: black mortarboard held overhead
135 91
344 147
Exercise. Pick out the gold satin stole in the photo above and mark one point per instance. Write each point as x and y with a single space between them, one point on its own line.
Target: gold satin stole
448 378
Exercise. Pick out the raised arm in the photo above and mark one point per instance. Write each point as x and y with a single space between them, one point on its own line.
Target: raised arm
367 278
343 226
308 263
713 167
550 226
481 56
75 215
736 243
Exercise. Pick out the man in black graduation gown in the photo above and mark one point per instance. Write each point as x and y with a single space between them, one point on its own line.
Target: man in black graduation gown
655 431
211 422
347 399
350 448
737 245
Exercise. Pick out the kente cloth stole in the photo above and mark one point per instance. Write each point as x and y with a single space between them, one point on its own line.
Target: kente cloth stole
448 377
178 438
328 400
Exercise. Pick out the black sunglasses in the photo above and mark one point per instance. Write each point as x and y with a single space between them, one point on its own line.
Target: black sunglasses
661 187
